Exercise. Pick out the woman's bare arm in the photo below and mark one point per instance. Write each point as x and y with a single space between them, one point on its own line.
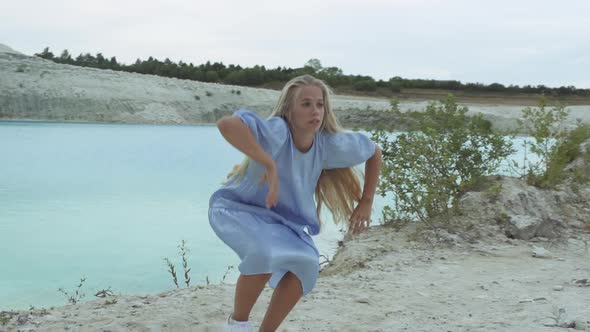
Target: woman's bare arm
361 216
372 172
238 134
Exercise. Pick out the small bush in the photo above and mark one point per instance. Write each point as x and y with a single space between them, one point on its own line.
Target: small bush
76 295
184 255
5 319
555 145
172 271
225 274
427 170
565 152
546 126
183 251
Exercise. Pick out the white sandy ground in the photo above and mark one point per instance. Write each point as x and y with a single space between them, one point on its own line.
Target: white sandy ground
382 282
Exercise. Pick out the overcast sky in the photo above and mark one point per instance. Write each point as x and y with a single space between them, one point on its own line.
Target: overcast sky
505 41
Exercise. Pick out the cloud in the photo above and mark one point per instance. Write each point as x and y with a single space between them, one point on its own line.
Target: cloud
503 41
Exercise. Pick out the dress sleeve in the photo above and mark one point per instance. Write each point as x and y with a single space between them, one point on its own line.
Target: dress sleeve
346 149
271 133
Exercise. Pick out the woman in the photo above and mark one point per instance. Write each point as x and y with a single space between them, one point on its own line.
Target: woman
266 211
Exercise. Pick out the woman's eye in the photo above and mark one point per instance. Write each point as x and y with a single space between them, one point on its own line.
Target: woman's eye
306 104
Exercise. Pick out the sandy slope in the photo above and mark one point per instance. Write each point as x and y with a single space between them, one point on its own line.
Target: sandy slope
379 282
32 88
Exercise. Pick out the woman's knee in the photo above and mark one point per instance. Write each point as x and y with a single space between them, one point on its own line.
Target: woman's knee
293 280
261 276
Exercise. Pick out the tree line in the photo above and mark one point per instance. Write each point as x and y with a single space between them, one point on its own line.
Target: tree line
258 76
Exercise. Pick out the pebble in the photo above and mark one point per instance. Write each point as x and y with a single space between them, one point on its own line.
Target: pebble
558 288
540 252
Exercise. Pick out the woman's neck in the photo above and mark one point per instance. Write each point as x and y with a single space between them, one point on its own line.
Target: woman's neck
303 141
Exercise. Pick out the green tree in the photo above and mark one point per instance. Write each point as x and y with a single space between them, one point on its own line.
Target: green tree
113 63
211 76
100 61
331 71
46 54
368 84
314 64
65 57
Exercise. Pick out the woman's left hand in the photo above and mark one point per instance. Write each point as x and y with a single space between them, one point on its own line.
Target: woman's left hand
361 217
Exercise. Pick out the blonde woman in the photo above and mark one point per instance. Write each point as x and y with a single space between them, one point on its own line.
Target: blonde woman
266 211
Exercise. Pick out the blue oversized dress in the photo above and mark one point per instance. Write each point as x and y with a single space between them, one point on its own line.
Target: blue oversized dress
278 240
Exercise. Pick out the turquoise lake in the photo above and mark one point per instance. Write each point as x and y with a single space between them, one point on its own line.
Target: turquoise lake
109 202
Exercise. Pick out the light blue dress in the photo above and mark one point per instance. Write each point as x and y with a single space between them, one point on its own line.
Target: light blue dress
278 240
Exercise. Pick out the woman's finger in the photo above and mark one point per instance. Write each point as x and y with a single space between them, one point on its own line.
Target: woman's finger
359 225
271 199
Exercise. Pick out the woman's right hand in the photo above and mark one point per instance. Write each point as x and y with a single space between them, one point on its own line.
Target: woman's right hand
270 176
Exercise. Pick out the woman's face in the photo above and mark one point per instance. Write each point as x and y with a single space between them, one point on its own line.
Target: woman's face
308 111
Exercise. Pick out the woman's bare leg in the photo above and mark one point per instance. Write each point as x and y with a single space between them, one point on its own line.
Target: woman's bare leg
248 288
284 298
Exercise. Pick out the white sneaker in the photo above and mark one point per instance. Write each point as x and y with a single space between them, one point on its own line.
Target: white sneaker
232 325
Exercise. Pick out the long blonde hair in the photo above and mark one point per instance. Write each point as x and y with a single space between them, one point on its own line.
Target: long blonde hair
339 189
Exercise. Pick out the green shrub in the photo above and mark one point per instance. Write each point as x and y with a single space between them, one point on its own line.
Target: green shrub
4 320
184 252
545 126
554 144
428 169
76 295
565 152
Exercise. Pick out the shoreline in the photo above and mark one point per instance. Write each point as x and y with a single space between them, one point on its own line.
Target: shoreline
106 123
